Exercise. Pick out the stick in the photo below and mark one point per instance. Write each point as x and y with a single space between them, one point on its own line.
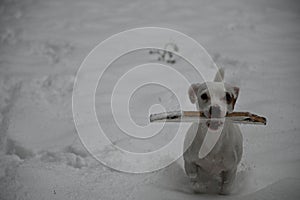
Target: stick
198 116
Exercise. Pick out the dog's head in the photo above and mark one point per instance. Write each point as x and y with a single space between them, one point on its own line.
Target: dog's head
214 99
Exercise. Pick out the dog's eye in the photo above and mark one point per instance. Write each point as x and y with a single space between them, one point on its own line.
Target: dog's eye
228 97
204 96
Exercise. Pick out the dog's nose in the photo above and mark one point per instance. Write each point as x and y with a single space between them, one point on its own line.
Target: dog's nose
214 111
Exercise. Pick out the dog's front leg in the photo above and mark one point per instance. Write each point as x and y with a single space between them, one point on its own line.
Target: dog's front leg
227 180
190 169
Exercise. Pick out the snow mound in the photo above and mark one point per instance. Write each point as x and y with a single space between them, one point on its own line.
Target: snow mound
47 100
15 148
74 155
70 159
7 164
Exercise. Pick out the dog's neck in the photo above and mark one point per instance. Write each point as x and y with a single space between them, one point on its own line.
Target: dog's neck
202 128
215 140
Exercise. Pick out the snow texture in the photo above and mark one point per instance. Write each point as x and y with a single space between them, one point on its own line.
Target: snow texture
42 44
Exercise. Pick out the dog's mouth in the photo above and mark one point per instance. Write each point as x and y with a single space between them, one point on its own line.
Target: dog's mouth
214 124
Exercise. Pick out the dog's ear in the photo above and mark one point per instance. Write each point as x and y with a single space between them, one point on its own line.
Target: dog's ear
236 92
219 75
193 92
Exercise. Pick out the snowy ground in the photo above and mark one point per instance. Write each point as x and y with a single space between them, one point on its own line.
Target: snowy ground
43 44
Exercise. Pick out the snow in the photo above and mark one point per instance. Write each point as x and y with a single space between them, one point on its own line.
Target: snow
43 44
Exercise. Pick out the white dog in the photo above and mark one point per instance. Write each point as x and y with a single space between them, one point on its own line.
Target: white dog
218 168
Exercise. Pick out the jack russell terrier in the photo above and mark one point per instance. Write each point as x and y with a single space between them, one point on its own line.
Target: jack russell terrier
217 168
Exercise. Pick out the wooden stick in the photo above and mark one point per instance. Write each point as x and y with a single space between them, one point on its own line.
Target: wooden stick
198 116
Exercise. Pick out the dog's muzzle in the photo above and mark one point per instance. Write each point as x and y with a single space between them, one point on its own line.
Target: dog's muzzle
214 112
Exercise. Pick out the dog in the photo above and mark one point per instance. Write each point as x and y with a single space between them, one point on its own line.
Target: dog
216 171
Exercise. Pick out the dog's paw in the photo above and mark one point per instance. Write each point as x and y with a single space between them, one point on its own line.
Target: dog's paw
224 192
199 187
225 189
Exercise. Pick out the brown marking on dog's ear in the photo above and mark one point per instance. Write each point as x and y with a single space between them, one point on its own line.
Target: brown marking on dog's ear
236 94
192 92
236 91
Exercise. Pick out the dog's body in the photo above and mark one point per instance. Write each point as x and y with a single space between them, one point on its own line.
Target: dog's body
220 164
